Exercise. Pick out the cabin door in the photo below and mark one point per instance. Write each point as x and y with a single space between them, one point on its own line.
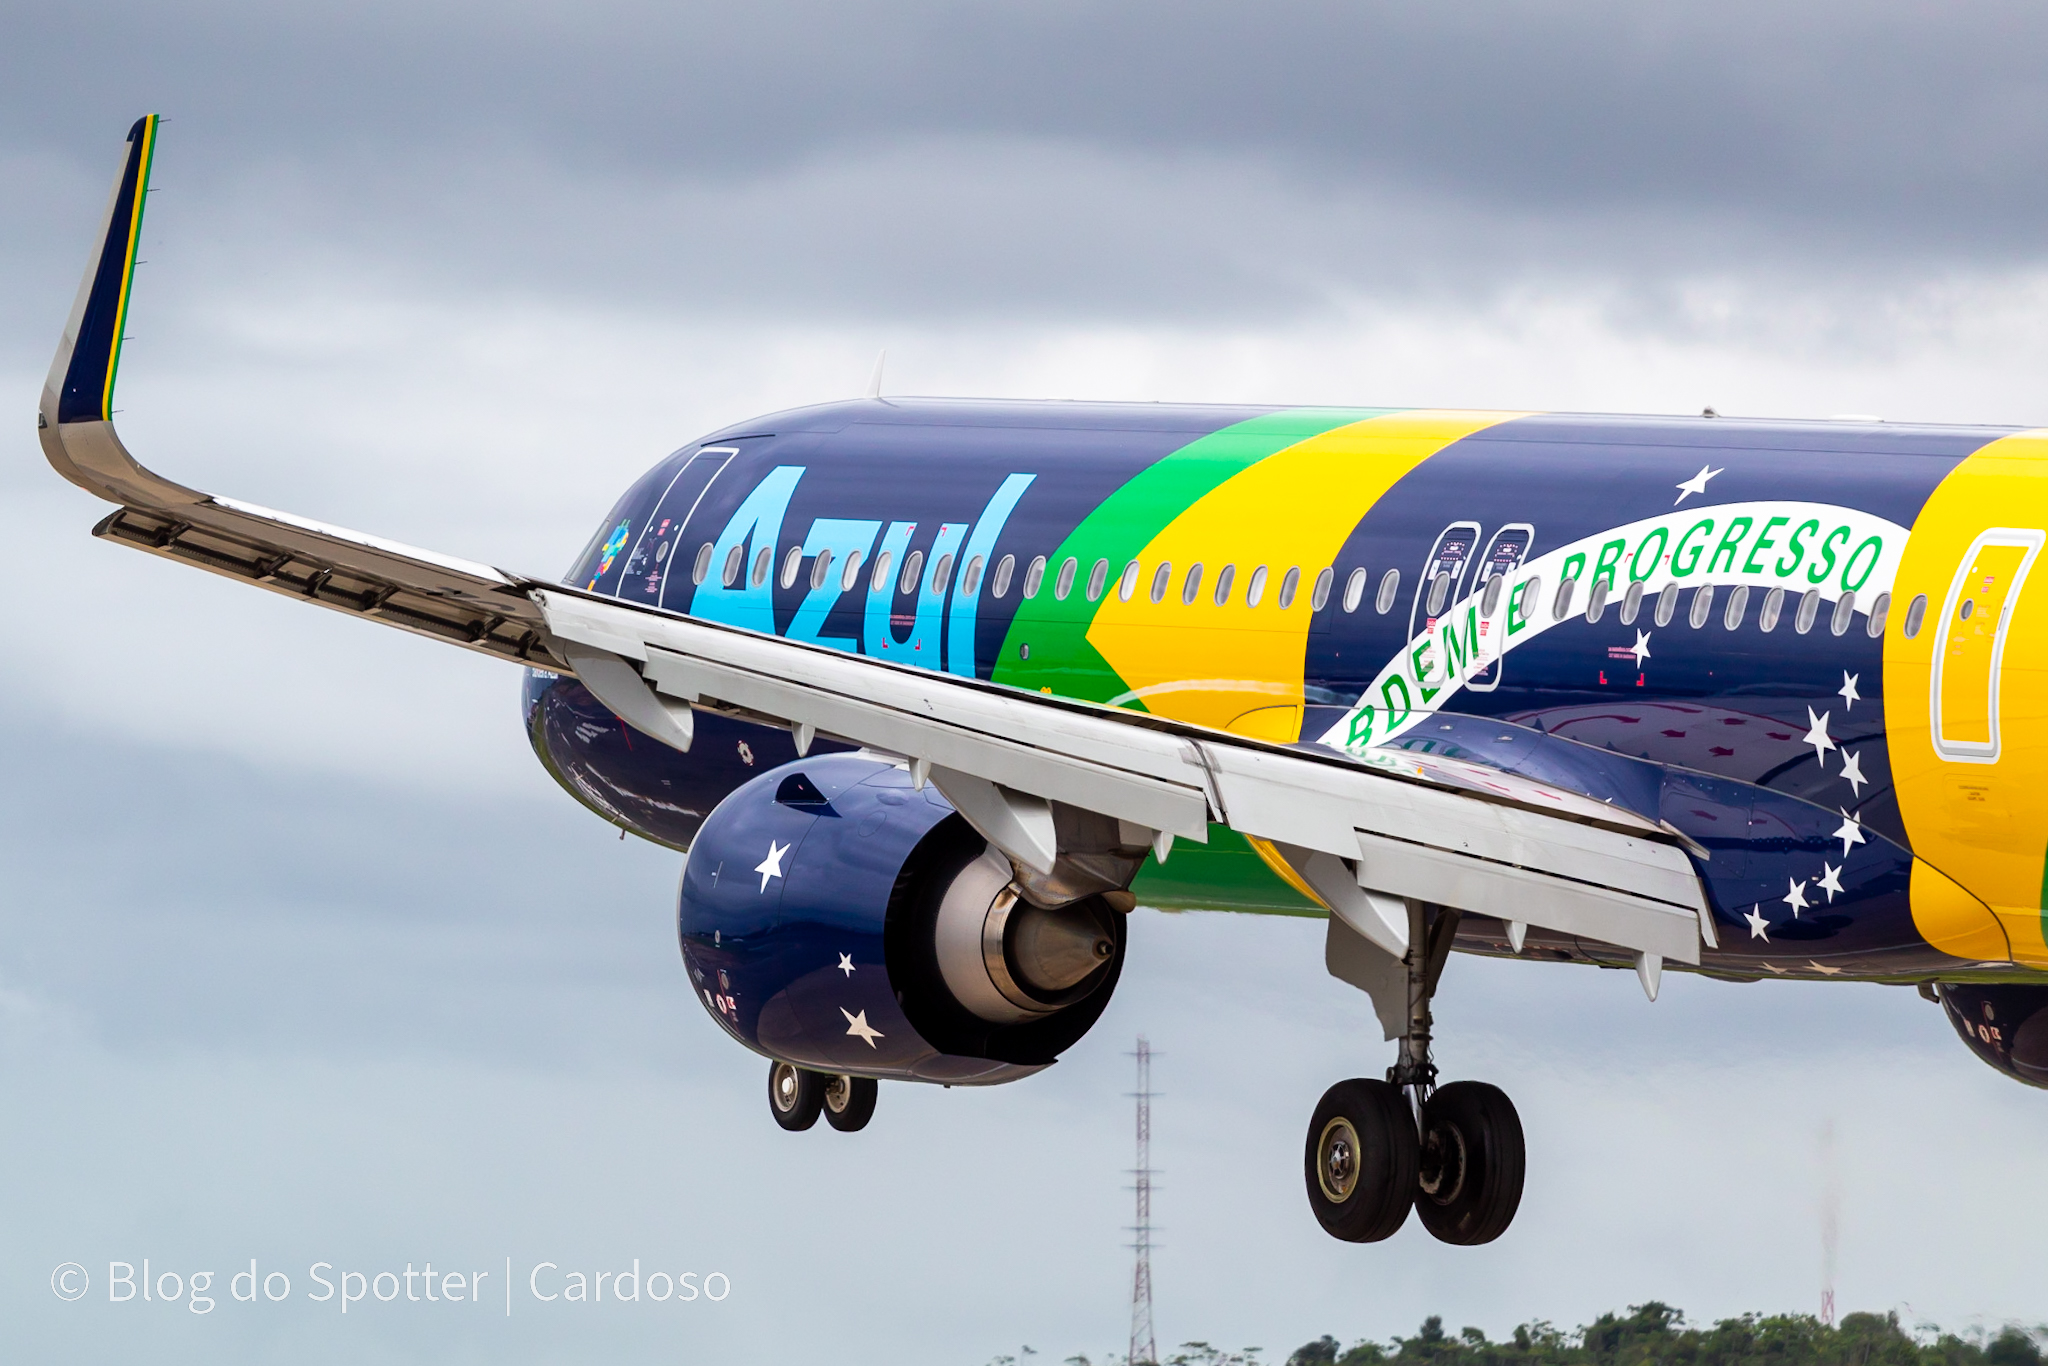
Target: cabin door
1969 645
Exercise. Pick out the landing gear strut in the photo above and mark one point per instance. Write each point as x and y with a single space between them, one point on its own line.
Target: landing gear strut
1376 1148
797 1096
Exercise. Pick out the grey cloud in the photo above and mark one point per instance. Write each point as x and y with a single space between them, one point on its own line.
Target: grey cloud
1140 161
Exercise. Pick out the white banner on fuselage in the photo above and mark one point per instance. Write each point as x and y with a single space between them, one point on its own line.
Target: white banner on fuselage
1759 546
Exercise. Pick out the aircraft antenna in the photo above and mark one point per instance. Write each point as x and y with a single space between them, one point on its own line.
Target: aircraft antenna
1144 1344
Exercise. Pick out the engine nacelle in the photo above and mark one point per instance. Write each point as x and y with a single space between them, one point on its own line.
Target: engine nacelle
2006 1026
834 916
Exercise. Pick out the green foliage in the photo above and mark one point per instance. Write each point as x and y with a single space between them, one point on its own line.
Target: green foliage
1655 1334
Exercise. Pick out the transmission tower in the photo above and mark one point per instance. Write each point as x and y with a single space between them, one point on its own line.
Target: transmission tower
1144 1345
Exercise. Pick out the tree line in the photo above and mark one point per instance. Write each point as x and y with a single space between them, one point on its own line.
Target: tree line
1652 1334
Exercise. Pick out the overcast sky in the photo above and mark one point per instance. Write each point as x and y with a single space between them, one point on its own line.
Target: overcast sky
303 958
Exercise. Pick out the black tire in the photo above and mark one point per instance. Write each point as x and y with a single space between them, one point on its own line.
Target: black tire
795 1096
850 1102
1360 1160
1473 1160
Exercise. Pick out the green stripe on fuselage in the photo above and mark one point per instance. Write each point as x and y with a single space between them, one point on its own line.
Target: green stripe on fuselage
1222 875
1062 661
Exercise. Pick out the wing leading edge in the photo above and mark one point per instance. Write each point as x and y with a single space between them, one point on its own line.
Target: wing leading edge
1364 837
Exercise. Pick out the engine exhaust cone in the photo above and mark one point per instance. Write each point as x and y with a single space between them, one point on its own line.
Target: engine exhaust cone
1053 949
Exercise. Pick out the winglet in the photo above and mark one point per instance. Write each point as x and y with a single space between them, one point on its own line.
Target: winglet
84 379
75 417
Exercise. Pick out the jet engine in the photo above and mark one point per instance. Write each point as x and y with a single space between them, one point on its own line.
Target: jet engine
2006 1026
835 916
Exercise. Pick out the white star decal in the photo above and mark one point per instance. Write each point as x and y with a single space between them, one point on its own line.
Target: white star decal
846 964
1795 896
1696 484
1758 926
1823 968
858 1026
1852 769
1850 697
1830 879
1773 967
1641 649
1817 734
1850 833
772 865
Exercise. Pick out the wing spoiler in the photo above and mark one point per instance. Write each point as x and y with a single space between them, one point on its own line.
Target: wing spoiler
1362 837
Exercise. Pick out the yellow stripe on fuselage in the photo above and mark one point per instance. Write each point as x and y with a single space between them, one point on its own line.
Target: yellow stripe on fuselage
1236 667
1979 818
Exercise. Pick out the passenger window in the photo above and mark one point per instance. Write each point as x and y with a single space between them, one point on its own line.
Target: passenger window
1439 589
1702 605
880 578
1290 583
761 564
1354 590
1098 579
791 563
913 565
851 574
1256 592
1005 567
820 567
1531 595
661 552
1034 576
1774 605
1065 583
1128 584
734 559
1320 598
1667 604
1809 608
1161 576
1191 585
1738 604
1880 608
1632 603
702 568
1224 578
1916 612
971 578
1596 601
1562 607
1845 612
1489 601
1390 588
942 573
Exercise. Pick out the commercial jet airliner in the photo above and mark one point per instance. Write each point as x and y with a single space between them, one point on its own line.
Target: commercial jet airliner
933 693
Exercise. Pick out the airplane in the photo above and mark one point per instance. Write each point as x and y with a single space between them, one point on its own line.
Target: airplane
931 694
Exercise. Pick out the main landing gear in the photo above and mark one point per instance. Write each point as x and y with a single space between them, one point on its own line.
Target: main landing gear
797 1096
1377 1148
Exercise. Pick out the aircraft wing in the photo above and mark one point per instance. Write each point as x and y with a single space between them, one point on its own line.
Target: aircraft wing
416 590
1363 836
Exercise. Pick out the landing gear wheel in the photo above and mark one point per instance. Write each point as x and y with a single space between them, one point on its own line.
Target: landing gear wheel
795 1096
1472 1163
1361 1160
849 1102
